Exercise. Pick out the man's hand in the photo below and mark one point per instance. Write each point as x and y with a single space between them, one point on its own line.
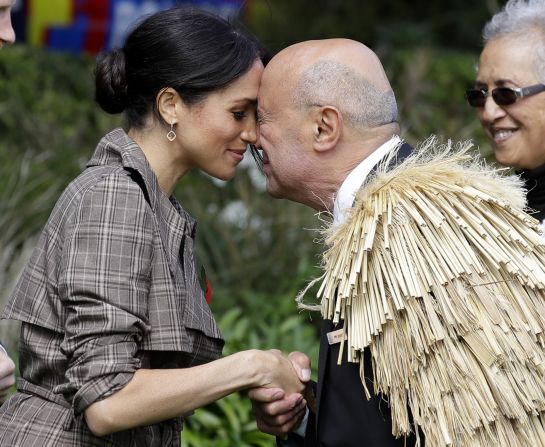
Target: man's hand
7 374
277 413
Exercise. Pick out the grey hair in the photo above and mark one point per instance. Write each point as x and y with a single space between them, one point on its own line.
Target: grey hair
335 84
518 17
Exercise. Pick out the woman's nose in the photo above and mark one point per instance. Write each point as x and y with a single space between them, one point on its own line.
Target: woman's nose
491 111
249 135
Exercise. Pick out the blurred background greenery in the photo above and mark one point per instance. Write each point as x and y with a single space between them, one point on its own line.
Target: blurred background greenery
258 252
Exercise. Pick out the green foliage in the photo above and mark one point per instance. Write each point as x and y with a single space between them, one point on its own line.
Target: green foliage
229 422
246 239
48 127
46 105
430 85
390 24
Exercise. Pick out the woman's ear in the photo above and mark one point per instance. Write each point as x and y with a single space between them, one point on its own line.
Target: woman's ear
328 125
167 100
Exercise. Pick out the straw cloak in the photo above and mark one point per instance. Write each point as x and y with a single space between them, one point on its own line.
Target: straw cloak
441 274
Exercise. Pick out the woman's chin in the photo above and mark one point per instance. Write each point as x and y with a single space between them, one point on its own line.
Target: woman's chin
505 157
225 176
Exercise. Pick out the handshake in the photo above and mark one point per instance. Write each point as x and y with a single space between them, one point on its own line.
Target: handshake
280 405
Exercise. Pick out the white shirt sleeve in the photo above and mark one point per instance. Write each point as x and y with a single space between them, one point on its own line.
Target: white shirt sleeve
301 430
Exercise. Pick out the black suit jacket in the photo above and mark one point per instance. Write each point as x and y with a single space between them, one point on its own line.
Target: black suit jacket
344 417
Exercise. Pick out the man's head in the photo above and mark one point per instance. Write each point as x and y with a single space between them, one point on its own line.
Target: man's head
7 35
323 106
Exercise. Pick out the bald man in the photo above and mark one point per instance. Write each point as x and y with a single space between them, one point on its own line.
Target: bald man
7 367
327 115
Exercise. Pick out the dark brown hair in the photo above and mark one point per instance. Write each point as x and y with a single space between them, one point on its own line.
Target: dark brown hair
190 50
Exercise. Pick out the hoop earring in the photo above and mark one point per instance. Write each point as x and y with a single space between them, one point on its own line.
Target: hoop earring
171 135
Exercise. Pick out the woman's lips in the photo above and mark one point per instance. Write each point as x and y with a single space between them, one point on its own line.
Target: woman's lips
237 154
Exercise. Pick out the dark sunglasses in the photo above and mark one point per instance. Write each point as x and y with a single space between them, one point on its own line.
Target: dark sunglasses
502 96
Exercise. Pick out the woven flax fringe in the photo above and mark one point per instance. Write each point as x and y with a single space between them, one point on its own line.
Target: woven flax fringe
442 275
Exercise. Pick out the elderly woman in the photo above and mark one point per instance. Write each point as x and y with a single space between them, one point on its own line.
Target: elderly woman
508 93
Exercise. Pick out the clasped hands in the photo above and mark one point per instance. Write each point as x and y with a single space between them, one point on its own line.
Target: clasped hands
280 407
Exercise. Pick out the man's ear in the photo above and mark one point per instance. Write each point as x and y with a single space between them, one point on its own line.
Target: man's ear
328 125
167 100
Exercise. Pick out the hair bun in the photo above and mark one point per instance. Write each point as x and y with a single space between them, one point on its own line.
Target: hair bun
111 82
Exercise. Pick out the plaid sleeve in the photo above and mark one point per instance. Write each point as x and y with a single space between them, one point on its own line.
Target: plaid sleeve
104 285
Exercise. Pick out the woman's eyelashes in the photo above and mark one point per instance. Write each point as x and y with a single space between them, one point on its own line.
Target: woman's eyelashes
239 116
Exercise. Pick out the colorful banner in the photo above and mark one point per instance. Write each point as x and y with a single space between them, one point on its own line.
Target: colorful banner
90 26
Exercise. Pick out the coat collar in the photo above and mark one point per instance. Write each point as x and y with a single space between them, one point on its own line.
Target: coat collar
117 148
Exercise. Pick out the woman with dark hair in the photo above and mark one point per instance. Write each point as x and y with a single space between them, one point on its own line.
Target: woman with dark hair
117 341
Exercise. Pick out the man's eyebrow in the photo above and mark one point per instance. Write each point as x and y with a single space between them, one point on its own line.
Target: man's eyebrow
262 112
505 81
261 115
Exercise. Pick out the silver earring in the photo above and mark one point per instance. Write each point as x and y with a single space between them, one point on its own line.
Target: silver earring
171 135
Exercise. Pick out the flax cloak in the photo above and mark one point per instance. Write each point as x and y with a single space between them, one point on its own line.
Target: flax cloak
441 274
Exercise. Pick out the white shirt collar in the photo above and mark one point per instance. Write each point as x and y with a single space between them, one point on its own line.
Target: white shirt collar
352 183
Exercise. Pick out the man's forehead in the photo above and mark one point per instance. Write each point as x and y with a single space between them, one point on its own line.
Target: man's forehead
278 77
263 104
271 95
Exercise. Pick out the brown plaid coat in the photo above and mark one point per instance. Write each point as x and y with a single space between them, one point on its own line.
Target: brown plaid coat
111 287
